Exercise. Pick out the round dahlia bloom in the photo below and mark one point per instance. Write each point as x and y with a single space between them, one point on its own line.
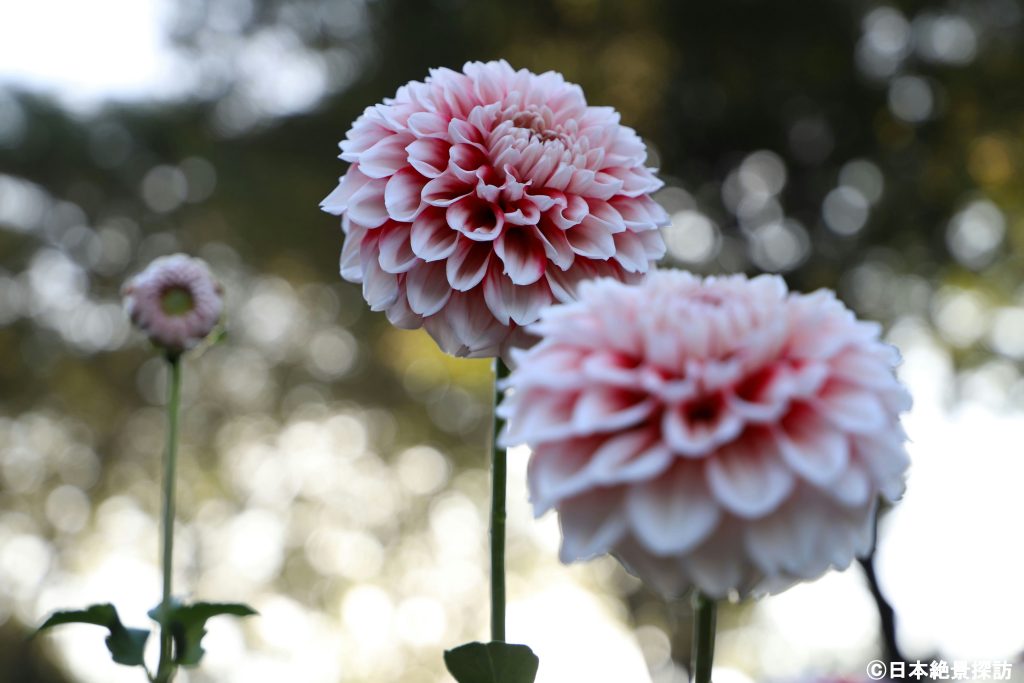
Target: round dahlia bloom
175 301
720 434
474 199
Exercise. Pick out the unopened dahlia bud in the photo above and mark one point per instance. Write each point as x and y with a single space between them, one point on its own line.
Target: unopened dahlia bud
722 434
175 301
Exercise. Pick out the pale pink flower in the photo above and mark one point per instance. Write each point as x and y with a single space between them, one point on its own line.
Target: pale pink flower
476 198
722 434
175 301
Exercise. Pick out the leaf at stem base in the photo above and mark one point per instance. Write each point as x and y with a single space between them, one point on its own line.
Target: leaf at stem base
126 645
188 625
493 662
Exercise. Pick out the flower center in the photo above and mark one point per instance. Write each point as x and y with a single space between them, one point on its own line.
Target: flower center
535 123
176 300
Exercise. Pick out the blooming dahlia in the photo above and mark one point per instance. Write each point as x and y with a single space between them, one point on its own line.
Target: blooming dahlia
722 433
474 199
175 301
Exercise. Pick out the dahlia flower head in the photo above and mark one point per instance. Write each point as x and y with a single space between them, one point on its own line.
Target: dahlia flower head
474 199
175 301
721 434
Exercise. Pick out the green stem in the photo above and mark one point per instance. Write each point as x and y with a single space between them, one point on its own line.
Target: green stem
165 669
704 609
499 476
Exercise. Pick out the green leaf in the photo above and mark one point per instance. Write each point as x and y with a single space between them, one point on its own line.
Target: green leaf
187 624
126 645
492 662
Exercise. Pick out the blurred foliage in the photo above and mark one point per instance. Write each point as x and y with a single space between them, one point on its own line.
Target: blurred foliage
873 148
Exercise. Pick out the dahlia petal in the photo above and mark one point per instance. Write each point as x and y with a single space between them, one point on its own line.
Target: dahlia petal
886 460
522 254
351 263
667 575
591 239
338 200
672 513
853 487
401 316
473 323
385 157
605 409
445 190
430 236
590 526
630 252
523 302
552 469
571 213
697 438
812 447
606 215
429 156
636 180
428 124
427 288
467 265
475 219
396 254
641 214
747 479
380 289
366 206
556 246
713 568
850 408
402 195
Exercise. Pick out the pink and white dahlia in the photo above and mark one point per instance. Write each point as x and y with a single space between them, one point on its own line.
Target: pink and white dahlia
474 199
175 301
720 434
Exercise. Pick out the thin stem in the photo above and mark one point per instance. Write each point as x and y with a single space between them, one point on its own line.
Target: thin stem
886 614
165 669
704 610
499 476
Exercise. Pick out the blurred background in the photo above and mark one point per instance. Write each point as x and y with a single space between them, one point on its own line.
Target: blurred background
333 469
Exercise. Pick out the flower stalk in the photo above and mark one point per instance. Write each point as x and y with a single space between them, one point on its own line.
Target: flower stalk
499 477
703 654
166 667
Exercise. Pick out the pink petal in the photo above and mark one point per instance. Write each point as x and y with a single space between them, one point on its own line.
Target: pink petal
630 252
522 254
467 264
696 428
746 477
591 239
366 206
475 219
351 263
385 157
402 195
851 408
606 409
556 246
672 513
429 156
338 200
427 288
590 524
571 213
812 447
396 255
431 238
380 289
428 124
445 190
